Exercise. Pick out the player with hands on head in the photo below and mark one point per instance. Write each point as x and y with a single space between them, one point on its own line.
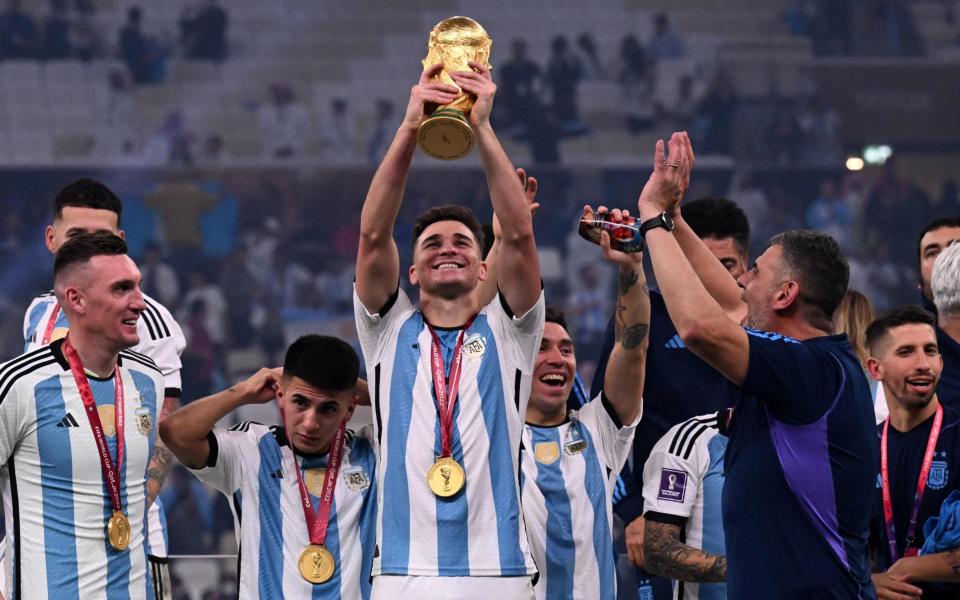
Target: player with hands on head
302 492
801 453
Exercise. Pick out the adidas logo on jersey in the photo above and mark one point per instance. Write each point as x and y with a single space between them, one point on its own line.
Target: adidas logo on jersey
278 474
68 421
675 342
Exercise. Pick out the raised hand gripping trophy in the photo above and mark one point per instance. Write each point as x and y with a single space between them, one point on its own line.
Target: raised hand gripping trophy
454 42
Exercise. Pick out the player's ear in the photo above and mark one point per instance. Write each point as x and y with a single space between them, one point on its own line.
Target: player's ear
121 235
48 238
75 300
412 274
482 274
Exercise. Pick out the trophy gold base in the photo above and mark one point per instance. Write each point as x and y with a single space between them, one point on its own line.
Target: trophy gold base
445 135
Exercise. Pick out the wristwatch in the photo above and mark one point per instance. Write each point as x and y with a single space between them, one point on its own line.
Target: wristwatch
662 220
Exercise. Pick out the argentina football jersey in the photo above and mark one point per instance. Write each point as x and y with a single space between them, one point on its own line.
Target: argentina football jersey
160 338
55 500
478 531
569 471
254 466
683 486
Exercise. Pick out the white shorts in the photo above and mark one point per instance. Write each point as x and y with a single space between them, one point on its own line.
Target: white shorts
393 587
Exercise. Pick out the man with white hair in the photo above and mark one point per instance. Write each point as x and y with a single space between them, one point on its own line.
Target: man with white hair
945 285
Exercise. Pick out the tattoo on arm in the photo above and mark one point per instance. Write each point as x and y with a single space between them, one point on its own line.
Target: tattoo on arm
627 280
633 336
629 336
664 554
162 458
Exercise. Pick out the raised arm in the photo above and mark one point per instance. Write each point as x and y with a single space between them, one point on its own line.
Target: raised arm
487 290
626 367
519 269
714 276
185 431
664 554
703 325
378 262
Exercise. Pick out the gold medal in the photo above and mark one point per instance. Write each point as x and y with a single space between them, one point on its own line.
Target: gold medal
445 477
317 564
118 531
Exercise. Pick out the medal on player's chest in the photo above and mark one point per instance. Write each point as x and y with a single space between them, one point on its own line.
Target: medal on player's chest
118 531
316 563
446 476
118 526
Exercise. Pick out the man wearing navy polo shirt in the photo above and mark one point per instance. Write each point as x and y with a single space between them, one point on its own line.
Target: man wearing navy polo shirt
802 452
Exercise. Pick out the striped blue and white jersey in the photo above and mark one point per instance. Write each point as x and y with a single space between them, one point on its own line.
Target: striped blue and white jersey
683 486
160 338
479 531
253 466
56 503
569 472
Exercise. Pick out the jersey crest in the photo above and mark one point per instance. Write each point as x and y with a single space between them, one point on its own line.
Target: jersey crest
546 452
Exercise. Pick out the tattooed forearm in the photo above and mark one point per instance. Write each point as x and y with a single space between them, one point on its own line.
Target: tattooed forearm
162 458
665 555
633 336
627 280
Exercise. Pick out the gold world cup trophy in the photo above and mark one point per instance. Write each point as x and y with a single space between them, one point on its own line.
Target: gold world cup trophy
454 42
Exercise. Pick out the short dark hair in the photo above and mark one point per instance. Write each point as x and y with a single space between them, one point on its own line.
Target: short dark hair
82 247
718 217
449 212
907 314
553 314
87 193
324 362
815 260
938 223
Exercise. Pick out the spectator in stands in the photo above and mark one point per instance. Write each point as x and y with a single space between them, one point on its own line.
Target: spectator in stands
171 143
564 72
337 132
519 91
665 42
56 32
382 132
203 32
636 76
589 57
144 56
85 37
19 37
159 278
283 123
716 112
588 308
783 137
831 214
201 289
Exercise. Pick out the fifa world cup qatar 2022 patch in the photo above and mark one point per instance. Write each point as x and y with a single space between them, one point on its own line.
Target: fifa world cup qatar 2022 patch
673 485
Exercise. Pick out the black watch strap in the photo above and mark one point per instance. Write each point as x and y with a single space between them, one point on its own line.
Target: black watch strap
662 220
